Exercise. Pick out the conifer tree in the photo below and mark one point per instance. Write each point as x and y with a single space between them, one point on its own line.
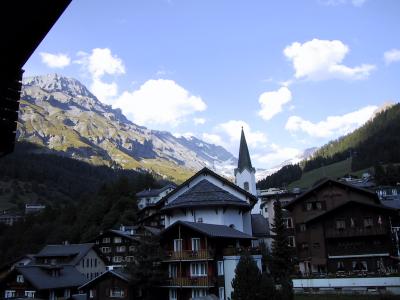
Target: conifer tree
282 266
246 283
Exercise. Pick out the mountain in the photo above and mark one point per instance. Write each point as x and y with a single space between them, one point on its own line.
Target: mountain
375 144
62 115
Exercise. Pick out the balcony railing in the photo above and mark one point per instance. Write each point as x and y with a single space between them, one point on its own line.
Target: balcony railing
360 231
189 255
238 251
201 281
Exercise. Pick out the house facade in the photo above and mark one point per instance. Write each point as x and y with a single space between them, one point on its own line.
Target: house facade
208 224
342 230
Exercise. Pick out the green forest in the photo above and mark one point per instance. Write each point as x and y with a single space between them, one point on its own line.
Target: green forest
376 143
81 199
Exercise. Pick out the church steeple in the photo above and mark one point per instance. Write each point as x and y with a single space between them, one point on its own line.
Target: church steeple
244 156
245 173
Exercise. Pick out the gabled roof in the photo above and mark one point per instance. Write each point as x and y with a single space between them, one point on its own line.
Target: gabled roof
259 225
207 194
119 273
210 230
206 171
123 234
244 161
154 192
75 251
328 182
372 205
41 278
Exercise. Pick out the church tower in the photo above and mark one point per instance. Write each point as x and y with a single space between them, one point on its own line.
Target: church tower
245 173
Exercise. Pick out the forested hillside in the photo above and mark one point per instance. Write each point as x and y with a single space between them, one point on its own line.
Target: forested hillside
375 143
81 199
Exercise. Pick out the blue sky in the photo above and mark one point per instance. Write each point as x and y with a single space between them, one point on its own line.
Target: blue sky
295 74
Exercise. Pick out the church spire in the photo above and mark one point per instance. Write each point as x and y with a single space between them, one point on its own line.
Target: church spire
244 156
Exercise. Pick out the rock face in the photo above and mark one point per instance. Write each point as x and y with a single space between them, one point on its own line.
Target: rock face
62 115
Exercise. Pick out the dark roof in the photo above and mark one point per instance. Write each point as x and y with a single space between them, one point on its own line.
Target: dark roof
372 205
244 161
206 193
259 225
328 182
76 251
154 192
124 234
393 202
78 297
152 230
211 230
41 278
119 273
206 171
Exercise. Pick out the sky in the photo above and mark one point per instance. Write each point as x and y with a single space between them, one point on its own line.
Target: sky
294 74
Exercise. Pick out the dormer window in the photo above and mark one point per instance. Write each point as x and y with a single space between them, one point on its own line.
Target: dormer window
20 278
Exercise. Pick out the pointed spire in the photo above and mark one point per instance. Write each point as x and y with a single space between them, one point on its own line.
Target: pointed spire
244 156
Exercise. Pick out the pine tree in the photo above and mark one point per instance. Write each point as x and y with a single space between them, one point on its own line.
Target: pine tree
246 283
146 272
282 266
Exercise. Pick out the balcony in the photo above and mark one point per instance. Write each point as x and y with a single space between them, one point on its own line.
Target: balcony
189 255
239 251
358 231
202 281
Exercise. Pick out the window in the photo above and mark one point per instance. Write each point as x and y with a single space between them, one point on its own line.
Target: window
340 224
173 270
117 240
221 293
91 293
196 293
117 259
316 245
106 249
132 248
220 268
173 295
246 185
288 222
368 222
20 278
266 209
9 294
121 248
130 259
117 292
178 245
318 205
359 266
340 265
106 240
304 246
195 244
308 206
30 294
95 262
291 241
198 269
303 227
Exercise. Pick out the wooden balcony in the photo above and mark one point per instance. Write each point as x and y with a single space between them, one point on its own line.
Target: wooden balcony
239 251
189 255
201 281
357 231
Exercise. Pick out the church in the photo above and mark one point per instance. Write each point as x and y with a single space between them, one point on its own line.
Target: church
208 224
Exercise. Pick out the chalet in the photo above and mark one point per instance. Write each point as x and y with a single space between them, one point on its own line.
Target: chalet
342 229
151 197
83 257
208 224
110 285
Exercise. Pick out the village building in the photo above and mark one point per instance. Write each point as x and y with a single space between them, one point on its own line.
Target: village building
208 224
342 230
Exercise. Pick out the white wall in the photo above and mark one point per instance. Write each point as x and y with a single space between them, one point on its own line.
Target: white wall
247 176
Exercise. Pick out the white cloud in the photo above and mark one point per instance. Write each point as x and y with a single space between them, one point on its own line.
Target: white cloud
275 155
356 3
159 102
272 102
213 139
98 63
199 121
233 128
391 56
55 60
332 126
321 59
